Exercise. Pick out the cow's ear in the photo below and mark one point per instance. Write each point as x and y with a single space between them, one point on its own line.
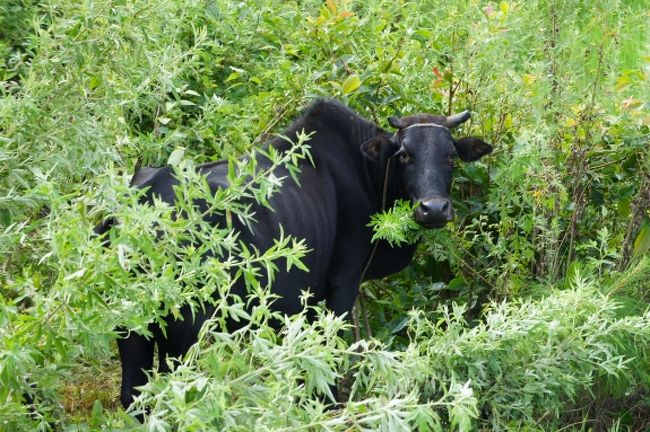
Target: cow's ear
470 149
376 147
395 122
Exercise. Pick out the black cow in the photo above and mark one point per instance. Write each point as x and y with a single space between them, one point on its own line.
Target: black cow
330 208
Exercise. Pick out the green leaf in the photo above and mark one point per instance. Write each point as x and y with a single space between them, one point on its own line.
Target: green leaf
622 82
5 217
95 81
233 76
97 414
176 156
350 84
642 242
456 284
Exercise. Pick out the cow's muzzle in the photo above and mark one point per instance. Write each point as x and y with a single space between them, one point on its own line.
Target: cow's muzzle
434 212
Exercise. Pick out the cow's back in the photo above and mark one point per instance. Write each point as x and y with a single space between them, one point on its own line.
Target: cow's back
304 210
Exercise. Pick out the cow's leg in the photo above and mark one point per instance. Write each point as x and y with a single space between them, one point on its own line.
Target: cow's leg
341 294
179 336
344 273
136 355
340 300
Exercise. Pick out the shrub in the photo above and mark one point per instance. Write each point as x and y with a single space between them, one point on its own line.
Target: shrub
523 314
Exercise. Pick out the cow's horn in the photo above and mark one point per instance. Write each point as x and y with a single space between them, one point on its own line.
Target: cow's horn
455 120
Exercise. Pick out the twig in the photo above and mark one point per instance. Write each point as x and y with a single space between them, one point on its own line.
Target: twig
639 207
281 113
451 87
364 313
355 324
470 268
606 164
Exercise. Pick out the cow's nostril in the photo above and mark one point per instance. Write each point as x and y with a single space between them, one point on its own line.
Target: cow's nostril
435 210
435 205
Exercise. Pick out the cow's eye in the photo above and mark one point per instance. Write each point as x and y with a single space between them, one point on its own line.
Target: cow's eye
404 158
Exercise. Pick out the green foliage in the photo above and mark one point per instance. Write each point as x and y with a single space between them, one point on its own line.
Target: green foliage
396 225
530 307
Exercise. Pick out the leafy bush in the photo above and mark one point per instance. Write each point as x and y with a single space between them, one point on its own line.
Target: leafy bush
524 314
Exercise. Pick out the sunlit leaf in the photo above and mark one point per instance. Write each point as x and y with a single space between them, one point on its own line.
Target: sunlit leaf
331 6
622 82
642 241
176 156
350 84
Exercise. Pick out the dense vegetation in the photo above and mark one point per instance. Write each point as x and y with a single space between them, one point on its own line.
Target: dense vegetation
529 312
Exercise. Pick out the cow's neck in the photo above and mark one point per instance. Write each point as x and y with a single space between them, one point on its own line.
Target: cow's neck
385 259
355 130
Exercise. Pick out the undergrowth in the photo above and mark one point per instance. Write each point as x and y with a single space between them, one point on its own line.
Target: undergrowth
529 312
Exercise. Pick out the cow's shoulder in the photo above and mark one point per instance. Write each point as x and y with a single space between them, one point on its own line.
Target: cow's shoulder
216 173
145 176
158 182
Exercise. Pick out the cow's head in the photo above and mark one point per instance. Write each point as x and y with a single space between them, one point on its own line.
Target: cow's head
423 153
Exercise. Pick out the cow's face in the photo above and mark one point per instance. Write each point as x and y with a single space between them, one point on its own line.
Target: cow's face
423 153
